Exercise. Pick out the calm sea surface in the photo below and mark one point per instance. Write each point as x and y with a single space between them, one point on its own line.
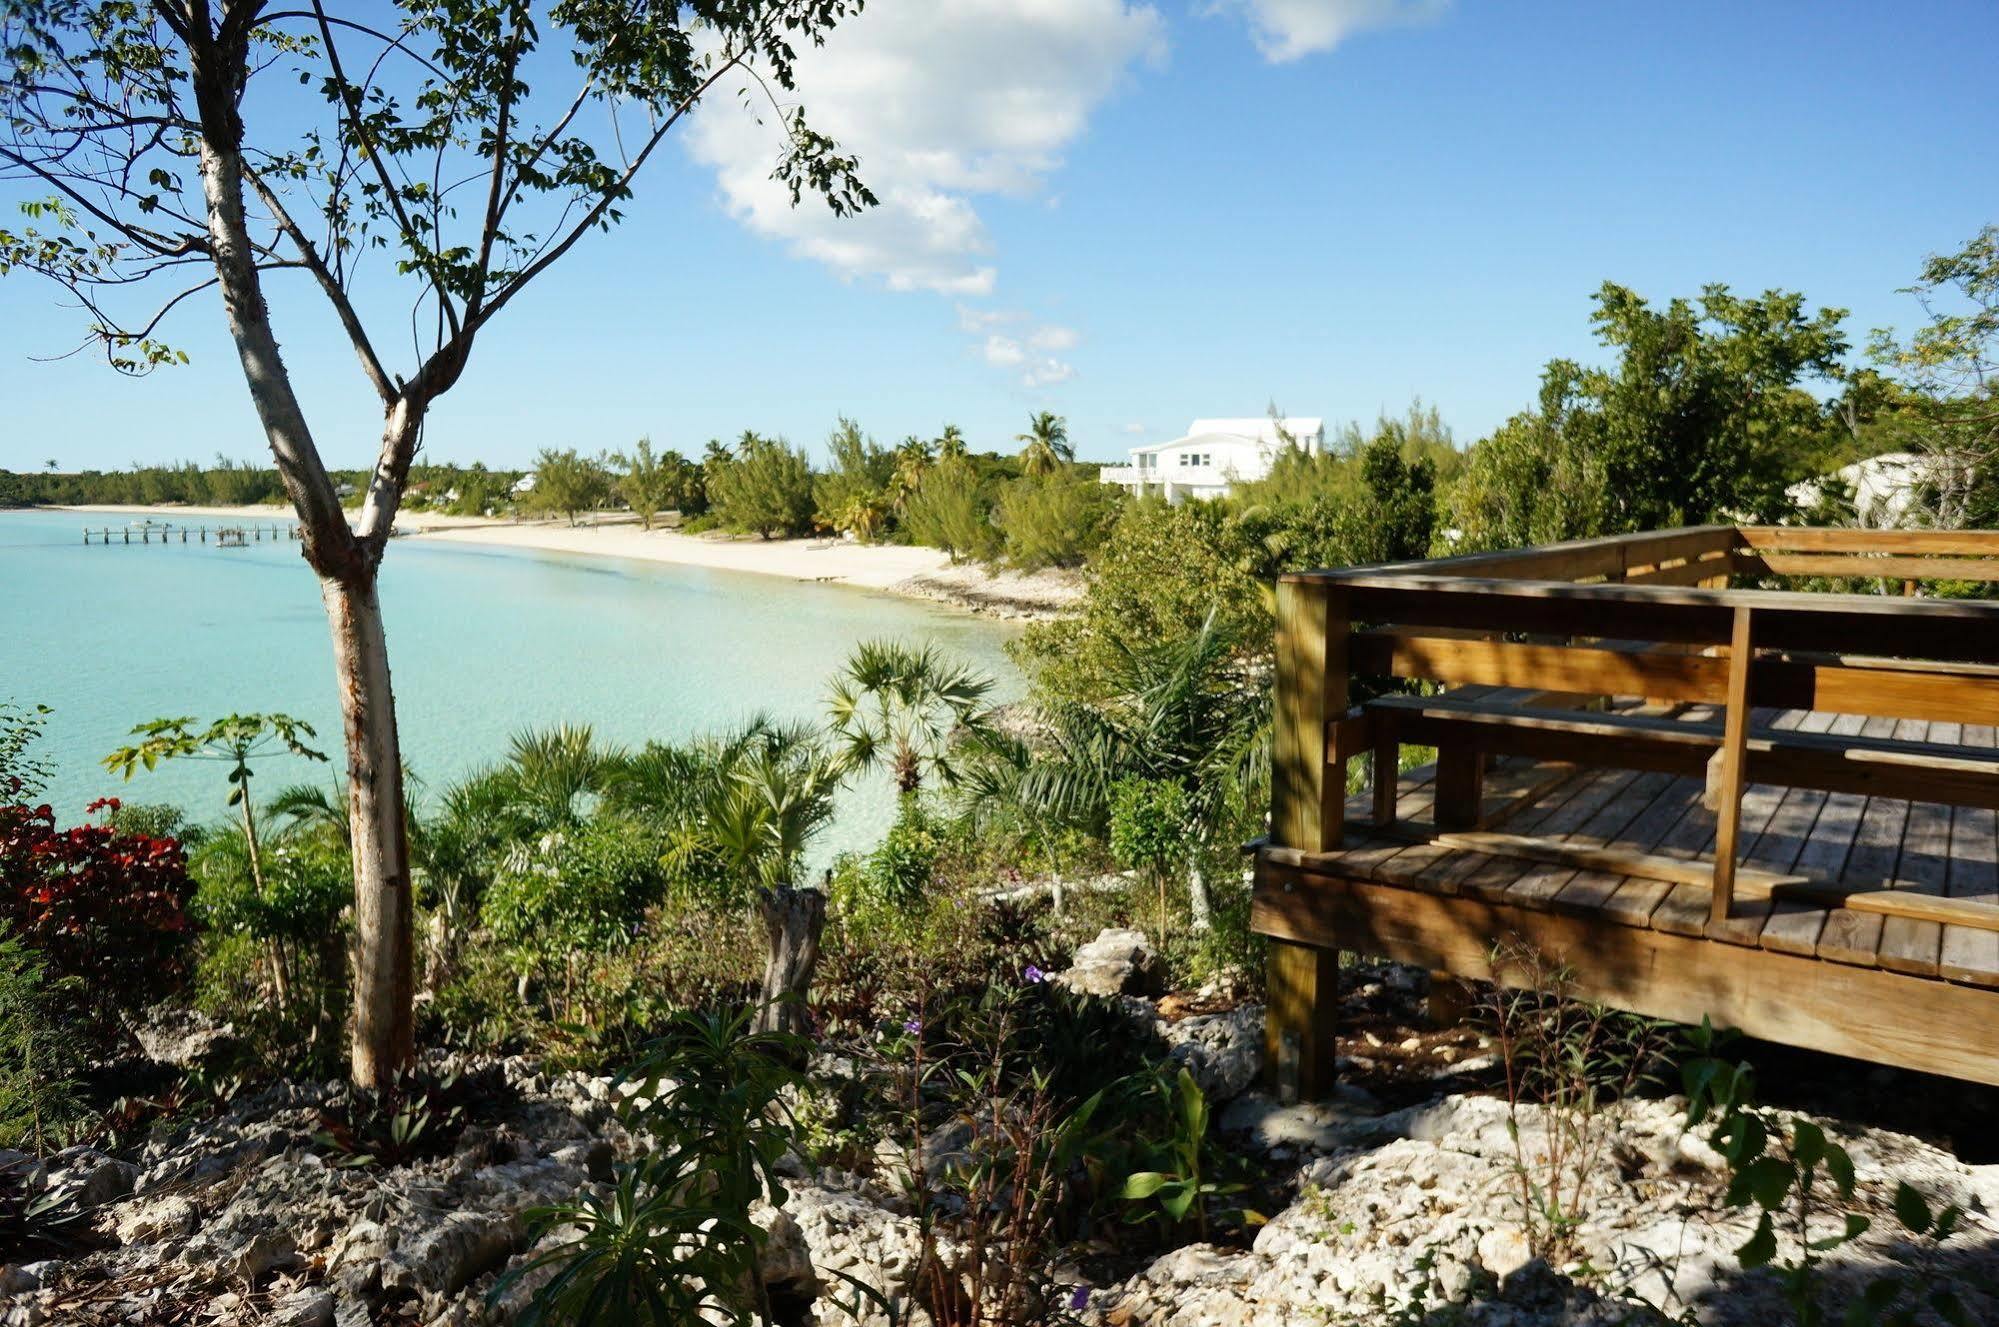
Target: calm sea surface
483 644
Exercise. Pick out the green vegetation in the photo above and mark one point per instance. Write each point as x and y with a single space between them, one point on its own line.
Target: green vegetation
763 488
566 482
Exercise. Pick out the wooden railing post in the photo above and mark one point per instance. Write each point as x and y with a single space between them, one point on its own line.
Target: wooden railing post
1308 794
1732 759
1307 811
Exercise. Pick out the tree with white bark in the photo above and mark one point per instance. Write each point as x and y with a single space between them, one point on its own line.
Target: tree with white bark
232 145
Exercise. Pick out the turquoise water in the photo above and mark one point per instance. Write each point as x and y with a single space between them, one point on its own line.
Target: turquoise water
482 642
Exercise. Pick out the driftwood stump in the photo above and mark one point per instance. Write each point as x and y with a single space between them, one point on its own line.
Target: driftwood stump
793 920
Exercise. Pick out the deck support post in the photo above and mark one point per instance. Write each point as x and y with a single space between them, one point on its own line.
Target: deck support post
1731 758
1299 1021
1460 786
1308 793
1387 769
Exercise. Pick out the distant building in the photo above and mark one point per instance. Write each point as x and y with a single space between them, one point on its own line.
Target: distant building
1215 455
1896 490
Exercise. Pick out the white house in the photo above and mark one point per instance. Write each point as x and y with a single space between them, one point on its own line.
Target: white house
1215 454
1897 490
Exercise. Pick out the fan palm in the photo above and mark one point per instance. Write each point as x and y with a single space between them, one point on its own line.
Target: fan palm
905 707
1045 446
1186 711
551 771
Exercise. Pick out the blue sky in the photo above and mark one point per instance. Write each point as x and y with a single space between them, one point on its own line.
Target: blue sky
1138 214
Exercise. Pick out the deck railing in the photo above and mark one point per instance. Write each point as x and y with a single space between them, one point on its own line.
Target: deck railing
1539 634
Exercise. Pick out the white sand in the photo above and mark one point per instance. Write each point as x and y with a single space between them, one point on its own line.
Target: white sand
872 566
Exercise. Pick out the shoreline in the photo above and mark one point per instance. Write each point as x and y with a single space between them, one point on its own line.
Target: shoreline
911 571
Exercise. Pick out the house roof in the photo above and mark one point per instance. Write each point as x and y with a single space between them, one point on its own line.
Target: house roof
1260 432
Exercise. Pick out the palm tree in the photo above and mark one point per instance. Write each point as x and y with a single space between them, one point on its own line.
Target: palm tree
951 443
865 516
912 459
1185 712
548 774
1046 446
1002 783
904 707
761 818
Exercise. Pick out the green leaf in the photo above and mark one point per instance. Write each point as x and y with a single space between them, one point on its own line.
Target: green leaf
1840 1166
1946 1222
1767 1179
1808 1145
1178 1198
1911 1209
1762 1245
1143 1184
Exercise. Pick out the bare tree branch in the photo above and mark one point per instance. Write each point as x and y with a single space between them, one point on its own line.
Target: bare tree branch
343 308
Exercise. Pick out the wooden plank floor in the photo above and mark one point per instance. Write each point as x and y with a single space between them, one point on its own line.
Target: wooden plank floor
1862 842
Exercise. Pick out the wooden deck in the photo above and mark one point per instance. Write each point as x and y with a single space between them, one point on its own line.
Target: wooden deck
1853 914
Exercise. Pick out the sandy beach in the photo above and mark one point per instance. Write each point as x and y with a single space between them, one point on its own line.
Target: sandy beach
924 573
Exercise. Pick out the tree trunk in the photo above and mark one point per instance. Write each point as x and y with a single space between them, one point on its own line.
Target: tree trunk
384 964
1197 896
794 919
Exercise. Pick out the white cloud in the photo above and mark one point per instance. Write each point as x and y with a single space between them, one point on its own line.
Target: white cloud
972 319
1047 373
1286 30
1032 357
1003 352
942 101
1135 428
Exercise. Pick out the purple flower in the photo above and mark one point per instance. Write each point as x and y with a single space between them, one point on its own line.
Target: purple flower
1079 1299
1033 975
913 1026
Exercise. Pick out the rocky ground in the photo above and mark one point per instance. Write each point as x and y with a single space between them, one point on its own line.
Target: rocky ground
1036 595
1396 1202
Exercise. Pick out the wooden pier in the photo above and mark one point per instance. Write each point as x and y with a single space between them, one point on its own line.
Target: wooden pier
1770 808
227 536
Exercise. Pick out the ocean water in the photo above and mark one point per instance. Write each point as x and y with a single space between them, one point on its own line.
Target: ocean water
482 643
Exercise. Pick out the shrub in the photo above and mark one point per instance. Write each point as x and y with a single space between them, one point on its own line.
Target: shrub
672 1241
38 1058
106 908
567 482
275 962
1055 520
952 511
896 875
764 489
21 775
1149 831
581 889
853 496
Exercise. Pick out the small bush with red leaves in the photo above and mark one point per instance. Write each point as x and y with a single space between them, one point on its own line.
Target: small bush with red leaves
105 907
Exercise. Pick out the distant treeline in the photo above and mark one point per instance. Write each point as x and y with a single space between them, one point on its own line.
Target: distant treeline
464 490
1715 406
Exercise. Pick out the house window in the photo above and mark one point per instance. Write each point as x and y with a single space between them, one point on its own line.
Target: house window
1191 459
